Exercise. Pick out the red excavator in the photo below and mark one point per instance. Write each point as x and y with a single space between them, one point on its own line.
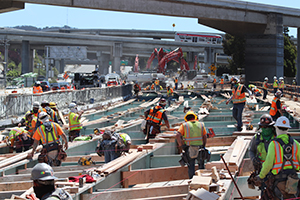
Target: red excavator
164 57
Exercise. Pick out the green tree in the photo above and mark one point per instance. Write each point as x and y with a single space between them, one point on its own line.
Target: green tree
290 56
234 46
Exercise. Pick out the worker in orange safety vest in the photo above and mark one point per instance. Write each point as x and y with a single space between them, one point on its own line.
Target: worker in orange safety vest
275 110
37 88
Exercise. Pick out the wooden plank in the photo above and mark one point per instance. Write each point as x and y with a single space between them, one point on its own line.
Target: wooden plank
200 182
20 185
220 141
154 175
135 193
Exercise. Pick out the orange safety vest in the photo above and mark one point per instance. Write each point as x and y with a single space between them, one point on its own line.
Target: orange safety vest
176 80
37 89
274 108
193 133
170 92
156 82
238 96
279 158
222 81
43 133
156 117
62 88
152 87
265 85
51 113
215 80
31 125
258 90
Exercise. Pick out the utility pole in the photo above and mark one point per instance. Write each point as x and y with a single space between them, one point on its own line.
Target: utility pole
5 43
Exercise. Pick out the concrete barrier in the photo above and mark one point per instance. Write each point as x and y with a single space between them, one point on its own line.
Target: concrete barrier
17 104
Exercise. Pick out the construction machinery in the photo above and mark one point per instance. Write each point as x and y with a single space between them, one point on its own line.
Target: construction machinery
164 56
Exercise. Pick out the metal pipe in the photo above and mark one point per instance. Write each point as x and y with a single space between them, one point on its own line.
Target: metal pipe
232 178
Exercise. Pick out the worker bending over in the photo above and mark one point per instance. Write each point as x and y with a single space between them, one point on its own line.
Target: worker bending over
275 110
46 108
191 138
281 164
48 133
19 138
107 146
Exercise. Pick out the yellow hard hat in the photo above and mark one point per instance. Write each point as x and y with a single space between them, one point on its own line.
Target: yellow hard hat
52 105
190 113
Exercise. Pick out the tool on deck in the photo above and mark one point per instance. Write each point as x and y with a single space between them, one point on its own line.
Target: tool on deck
232 178
211 133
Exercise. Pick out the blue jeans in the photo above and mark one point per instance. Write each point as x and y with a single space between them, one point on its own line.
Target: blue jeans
265 93
191 167
109 155
237 114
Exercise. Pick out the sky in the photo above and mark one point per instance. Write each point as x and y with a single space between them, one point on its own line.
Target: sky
43 15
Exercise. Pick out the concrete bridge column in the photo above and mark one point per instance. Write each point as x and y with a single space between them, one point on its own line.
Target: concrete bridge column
25 57
209 58
117 54
264 53
62 66
298 56
103 60
190 59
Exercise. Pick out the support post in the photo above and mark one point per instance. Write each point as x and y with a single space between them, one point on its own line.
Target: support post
298 57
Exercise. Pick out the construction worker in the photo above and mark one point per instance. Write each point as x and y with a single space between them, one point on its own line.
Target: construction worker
160 88
181 86
281 164
74 122
170 94
256 92
176 83
35 111
239 99
259 144
275 84
222 83
45 107
265 87
31 122
136 89
156 82
44 185
107 146
49 132
275 110
152 86
154 117
52 105
191 137
281 84
20 138
126 140
37 88
205 85
147 88
215 83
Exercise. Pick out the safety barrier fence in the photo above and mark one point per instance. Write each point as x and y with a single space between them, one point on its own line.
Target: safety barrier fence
17 104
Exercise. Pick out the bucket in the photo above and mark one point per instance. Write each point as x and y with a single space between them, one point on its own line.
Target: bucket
92 100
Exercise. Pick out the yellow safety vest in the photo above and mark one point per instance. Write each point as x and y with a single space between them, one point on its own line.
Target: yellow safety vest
74 122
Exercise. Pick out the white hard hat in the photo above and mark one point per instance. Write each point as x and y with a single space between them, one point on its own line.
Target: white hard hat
72 105
280 78
283 122
43 117
36 104
38 82
275 77
266 78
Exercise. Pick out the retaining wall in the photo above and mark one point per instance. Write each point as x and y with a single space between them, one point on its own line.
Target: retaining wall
18 104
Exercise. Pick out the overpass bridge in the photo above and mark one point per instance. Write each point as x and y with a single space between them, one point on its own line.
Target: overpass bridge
100 47
261 24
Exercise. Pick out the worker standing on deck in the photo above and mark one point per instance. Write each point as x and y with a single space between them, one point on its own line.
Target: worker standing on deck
74 122
281 84
275 110
52 105
31 122
191 137
176 83
239 99
215 83
45 107
44 185
49 132
136 89
170 94
37 88
154 117
20 138
275 84
156 82
35 112
259 144
281 164
265 87
222 83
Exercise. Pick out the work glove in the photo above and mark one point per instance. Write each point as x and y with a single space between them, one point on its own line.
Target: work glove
256 161
257 181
